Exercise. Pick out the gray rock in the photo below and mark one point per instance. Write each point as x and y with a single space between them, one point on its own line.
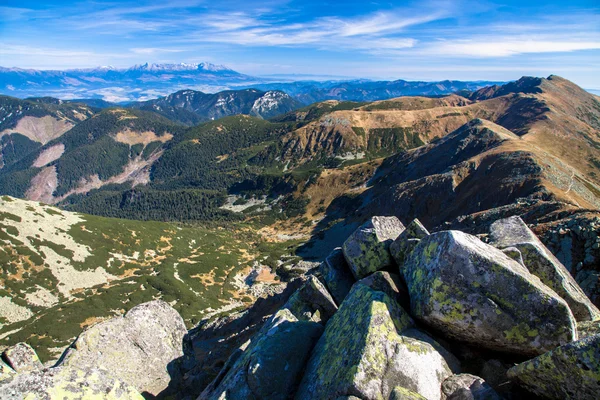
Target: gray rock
588 328
140 348
67 383
337 275
22 358
571 371
468 387
365 353
407 241
312 302
513 232
390 284
494 373
367 249
400 393
473 292
272 364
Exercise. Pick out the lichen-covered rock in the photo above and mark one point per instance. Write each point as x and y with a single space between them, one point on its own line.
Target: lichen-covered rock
515 254
6 372
390 284
312 302
67 383
140 348
400 393
367 249
337 275
473 292
588 328
271 365
364 353
513 232
571 371
22 358
406 242
468 387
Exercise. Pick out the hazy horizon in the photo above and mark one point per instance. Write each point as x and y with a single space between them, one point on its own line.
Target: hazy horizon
428 41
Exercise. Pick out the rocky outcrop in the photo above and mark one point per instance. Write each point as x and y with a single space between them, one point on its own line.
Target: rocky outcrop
367 249
364 353
513 233
571 371
67 383
22 358
406 242
312 302
475 293
468 387
148 338
337 275
271 365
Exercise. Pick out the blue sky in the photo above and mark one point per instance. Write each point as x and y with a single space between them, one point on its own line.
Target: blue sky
429 40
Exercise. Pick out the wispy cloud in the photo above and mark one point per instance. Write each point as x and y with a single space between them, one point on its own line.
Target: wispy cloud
504 47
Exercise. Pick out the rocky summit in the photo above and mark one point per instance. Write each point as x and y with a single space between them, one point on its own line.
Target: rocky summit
396 313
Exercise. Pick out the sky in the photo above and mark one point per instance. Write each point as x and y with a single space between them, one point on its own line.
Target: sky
414 40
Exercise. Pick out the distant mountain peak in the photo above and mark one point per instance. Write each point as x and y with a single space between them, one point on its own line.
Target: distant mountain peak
203 66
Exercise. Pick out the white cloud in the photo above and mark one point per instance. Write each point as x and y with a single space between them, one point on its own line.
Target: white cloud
499 47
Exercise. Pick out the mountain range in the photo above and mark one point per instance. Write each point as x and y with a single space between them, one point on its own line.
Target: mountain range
149 81
242 197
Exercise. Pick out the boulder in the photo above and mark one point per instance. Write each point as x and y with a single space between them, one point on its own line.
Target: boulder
365 353
22 358
67 383
468 387
588 328
494 373
400 393
513 232
140 348
272 364
390 284
474 293
407 241
515 254
571 371
312 302
367 249
337 275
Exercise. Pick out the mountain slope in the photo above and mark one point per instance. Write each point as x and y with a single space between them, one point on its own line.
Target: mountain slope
27 124
63 271
191 107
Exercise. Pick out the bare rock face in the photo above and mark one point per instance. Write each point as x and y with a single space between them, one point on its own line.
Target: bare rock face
571 371
468 387
367 249
6 372
474 293
337 275
140 348
368 349
271 365
22 358
513 232
67 383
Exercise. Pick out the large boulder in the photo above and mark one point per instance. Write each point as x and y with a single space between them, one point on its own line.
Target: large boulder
400 393
337 275
513 232
271 365
369 348
390 284
473 292
67 383
22 358
407 241
367 249
141 348
588 328
468 387
312 302
571 371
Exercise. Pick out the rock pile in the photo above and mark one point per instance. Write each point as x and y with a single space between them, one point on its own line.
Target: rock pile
396 313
